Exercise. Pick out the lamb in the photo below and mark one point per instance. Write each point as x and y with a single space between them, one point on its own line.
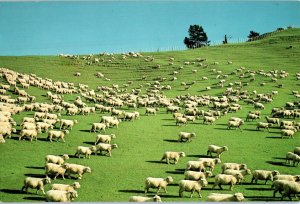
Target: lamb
291 157
252 117
263 125
98 126
186 136
172 156
35 183
106 147
191 186
297 150
104 138
57 134
288 133
235 124
233 166
196 165
216 149
196 176
157 183
211 163
156 198
28 133
290 188
56 159
76 169
65 187
227 179
209 119
61 196
87 151
56 169
263 175
67 123
151 111
218 197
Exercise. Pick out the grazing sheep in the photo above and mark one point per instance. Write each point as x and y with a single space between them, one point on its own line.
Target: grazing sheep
209 119
151 111
196 165
157 183
56 159
263 175
104 138
35 183
263 125
60 196
191 186
87 151
65 187
258 105
288 133
235 124
216 149
106 147
287 177
67 123
156 198
227 179
252 117
297 150
233 166
186 136
290 188
211 163
277 185
242 172
196 176
98 126
55 169
291 157
172 156
181 120
57 134
28 133
76 169
219 197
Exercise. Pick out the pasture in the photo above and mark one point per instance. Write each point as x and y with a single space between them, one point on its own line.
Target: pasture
142 142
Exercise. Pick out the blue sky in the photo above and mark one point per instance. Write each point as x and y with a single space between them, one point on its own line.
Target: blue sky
44 28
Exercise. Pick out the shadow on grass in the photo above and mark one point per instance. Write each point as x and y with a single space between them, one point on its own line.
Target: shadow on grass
72 156
170 125
131 191
172 184
261 198
12 191
167 196
89 143
174 172
35 167
252 130
221 128
156 162
272 137
182 170
275 163
173 141
45 140
84 130
34 198
283 158
259 189
199 156
168 119
36 175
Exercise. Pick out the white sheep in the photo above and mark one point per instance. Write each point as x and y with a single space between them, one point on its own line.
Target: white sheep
219 197
273 120
28 133
56 134
242 172
291 157
172 156
186 136
235 124
60 196
35 183
65 187
56 159
181 120
156 198
106 147
191 186
233 166
151 111
67 123
6 132
288 133
2 140
210 162
263 125
277 185
216 149
55 169
297 150
98 126
290 188
258 105
104 138
159 183
86 151
263 175
76 169
252 117
227 179
209 119
196 176
196 165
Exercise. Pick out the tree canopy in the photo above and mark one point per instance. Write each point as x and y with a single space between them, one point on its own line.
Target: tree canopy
252 35
197 37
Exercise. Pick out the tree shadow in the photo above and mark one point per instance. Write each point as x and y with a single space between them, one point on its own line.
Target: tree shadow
173 141
34 167
156 162
12 191
275 163
34 198
131 191
36 175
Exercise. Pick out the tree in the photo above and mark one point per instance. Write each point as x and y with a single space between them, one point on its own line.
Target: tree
225 40
197 37
252 35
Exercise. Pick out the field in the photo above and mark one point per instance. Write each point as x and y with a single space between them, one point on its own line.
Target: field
142 142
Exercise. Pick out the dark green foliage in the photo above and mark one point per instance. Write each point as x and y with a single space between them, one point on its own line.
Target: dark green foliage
197 37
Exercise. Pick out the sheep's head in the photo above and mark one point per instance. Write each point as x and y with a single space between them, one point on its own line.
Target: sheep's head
243 166
248 171
114 146
181 154
193 134
203 182
225 148
75 121
13 130
66 132
297 178
157 198
47 180
73 194
239 197
208 174
76 185
65 156
239 177
113 136
217 160
169 179
275 172
87 170
93 148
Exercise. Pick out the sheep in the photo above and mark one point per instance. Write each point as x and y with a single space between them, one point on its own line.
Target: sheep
67 123
288 133
191 186
286 123
242 172
157 183
65 187
130 116
263 175
43 126
287 177
35 183
258 105
98 126
196 165
233 166
113 122
106 147
56 159
172 156
76 169
290 188
216 149
186 136
252 117
28 133
297 150
227 179
181 120
219 197
60 196
2 140
57 134
56 169
235 124
196 176
211 162
151 111
6 132
263 125
291 157
277 185
104 138
209 119
87 151
156 198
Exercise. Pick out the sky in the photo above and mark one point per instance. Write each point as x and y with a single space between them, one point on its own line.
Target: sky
82 27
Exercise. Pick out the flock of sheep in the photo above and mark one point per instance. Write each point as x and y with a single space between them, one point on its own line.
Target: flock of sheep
184 109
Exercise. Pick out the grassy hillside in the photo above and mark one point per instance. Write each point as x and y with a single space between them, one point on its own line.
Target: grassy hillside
141 143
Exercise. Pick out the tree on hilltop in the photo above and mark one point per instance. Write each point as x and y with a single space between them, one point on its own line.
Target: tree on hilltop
252 35
197 37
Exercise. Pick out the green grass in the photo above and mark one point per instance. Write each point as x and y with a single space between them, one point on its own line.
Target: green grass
142 142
